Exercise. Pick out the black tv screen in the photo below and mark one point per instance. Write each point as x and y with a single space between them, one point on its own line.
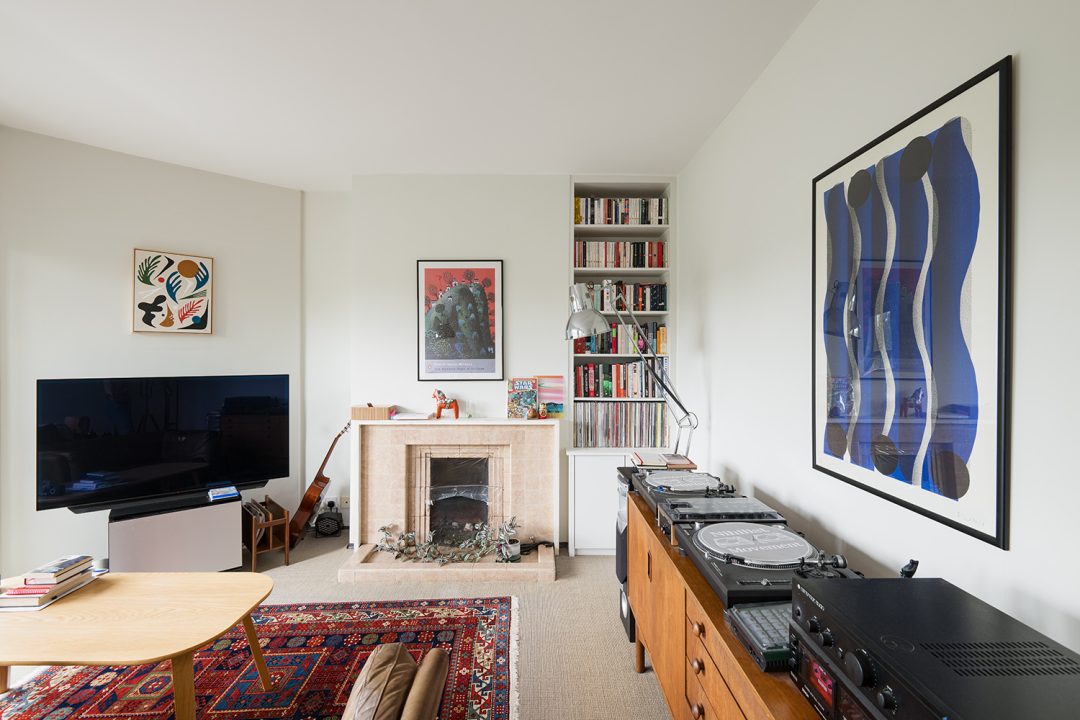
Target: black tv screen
107 442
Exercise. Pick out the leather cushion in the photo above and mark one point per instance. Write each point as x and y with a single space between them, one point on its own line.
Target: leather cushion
380 691
427 688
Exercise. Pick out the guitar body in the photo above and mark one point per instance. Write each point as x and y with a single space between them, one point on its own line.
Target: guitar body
314 492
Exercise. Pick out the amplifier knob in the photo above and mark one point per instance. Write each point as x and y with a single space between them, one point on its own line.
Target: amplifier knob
813 624
827 639
859 668
886 700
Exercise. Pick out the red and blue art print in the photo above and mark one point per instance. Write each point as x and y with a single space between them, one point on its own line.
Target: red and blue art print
910 248
460 319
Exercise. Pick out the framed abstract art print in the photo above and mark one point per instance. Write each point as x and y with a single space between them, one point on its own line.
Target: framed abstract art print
911 238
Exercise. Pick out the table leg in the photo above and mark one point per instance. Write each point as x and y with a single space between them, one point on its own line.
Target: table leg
183 686
639 656
3 678
256 653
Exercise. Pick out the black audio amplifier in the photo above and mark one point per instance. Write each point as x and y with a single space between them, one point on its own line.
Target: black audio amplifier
909 649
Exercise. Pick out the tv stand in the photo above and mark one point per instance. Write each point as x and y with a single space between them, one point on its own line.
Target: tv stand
176 536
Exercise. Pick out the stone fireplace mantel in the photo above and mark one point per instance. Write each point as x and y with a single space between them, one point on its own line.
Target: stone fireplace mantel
387 476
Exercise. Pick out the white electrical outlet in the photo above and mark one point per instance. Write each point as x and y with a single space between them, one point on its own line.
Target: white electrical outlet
344 507
331 499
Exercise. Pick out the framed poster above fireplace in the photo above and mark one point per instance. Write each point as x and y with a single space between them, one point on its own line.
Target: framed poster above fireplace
459 319
911 237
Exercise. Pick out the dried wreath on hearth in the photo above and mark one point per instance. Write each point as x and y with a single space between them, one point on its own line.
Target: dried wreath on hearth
484 541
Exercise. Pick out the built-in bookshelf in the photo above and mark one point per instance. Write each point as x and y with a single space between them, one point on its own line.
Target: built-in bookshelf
621 230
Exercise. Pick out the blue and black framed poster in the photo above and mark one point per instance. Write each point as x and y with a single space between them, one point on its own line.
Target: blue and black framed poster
910 310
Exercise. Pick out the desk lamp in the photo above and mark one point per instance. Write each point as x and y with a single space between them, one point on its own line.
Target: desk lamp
587 322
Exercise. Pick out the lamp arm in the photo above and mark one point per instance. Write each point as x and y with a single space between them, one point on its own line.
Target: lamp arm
688 421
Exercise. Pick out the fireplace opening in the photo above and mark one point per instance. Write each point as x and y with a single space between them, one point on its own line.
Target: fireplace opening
458 498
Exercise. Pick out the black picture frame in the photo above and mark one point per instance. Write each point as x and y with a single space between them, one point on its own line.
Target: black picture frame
450 344
981 508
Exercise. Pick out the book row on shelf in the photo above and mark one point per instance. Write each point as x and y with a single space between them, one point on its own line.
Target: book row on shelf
638 425
619 254
623 341
641 297
617 380
45 584
620 211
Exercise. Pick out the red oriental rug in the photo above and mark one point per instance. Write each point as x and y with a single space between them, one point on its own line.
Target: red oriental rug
314 653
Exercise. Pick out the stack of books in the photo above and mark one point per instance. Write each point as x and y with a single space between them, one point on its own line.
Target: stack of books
662 461
46 584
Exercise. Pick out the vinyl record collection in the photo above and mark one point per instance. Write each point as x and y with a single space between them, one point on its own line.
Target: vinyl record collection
621 424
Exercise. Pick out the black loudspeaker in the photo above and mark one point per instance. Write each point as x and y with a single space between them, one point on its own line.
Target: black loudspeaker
329 523
626 613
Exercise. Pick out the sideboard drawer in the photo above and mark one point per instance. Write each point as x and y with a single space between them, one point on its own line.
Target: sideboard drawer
701 628
701 669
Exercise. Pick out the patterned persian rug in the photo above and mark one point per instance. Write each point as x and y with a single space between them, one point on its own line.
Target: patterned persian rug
314 653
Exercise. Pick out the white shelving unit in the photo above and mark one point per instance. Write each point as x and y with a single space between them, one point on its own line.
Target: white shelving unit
593 487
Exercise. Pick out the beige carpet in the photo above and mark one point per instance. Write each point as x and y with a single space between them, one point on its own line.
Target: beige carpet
574 659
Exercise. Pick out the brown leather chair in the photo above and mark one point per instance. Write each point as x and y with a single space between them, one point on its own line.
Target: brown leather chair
393 687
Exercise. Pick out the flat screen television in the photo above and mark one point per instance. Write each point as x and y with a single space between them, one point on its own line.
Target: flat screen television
113 442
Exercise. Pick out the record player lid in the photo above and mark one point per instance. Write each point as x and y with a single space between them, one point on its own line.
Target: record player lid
753 545
682 481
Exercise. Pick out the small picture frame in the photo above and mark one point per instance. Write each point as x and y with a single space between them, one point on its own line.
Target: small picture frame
172 293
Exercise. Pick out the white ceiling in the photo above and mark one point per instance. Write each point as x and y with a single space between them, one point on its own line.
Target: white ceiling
307 94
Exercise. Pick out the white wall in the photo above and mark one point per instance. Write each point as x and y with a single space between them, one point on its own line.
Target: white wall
328 296
70 216
360 279
849 73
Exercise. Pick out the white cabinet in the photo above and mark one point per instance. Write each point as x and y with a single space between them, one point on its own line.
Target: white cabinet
594 500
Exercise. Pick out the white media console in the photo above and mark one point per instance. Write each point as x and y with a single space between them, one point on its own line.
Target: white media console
198 539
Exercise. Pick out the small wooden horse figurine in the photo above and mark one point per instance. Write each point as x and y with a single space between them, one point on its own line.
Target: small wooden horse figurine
444 403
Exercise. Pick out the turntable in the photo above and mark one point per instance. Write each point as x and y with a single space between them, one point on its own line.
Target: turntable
751 562
657 486
706 510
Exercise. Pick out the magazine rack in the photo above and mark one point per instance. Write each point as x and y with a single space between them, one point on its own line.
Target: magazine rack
268 532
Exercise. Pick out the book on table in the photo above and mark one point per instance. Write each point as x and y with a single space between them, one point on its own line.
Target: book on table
13 592
58 570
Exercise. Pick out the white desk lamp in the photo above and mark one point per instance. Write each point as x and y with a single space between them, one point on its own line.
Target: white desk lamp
586 322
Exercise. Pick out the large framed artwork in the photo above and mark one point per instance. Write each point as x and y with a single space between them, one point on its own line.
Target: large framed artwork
910 310
460 319
173 293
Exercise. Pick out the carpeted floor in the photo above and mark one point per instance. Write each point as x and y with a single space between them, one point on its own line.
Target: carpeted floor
574 660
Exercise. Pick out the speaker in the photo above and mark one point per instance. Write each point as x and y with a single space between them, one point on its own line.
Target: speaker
329 523
626 614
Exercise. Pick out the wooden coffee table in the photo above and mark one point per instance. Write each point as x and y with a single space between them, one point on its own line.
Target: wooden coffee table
136 619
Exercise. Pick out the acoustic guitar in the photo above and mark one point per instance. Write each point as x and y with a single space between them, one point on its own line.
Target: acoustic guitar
314 493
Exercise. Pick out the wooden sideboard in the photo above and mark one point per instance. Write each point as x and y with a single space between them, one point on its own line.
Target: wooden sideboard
703 669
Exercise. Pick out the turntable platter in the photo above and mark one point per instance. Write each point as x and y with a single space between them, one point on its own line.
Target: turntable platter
760 546
683 481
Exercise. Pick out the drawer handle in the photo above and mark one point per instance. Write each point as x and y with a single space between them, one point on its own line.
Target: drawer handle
698 711
648 565
698 666
699 629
